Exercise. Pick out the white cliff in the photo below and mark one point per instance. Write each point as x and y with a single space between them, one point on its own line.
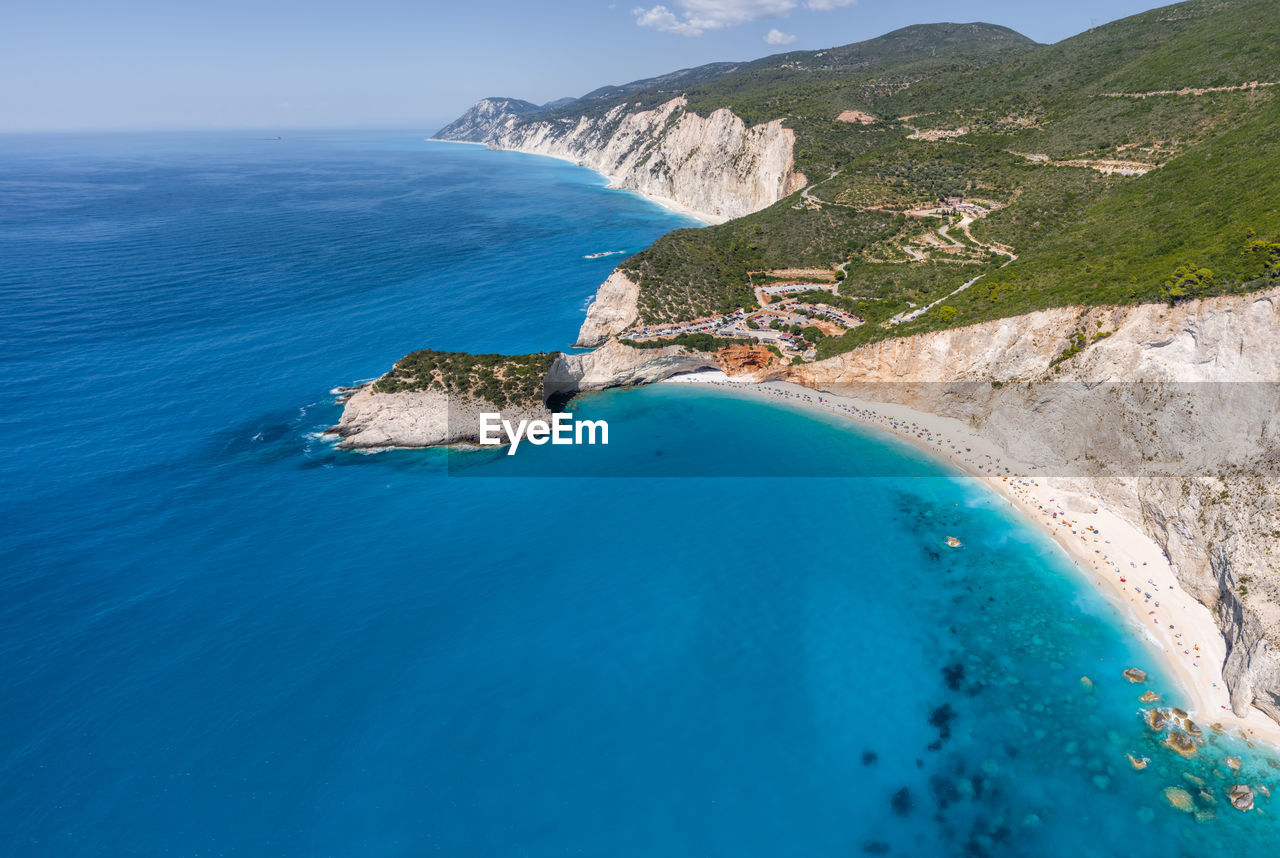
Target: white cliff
616 365
374 419
714 167
612 312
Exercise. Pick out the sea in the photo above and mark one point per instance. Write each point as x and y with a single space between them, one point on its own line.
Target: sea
737 630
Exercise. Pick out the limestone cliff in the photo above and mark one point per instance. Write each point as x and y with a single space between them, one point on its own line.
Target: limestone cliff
373 419
1167 415
616 365
715 167
612 311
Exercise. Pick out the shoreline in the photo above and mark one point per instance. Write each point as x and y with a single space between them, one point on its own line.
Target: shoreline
663 202
1122 562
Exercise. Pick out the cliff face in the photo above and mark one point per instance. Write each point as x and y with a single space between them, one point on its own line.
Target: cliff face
1168 418
372 420
616 365
612 311
715 167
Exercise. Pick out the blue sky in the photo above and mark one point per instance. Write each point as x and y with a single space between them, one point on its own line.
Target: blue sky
141 64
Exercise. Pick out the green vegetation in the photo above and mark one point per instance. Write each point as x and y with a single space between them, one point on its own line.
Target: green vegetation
691 273
503 380
701 342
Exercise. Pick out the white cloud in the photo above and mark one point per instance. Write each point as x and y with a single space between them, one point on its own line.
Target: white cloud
698 16
777 37
661 18
827 5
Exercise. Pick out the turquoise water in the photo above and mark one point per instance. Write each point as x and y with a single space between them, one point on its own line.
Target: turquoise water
220 636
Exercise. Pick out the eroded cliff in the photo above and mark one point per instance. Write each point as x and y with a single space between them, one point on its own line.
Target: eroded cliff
612 311
715 167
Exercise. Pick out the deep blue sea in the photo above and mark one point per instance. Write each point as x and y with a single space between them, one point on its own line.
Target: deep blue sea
221 637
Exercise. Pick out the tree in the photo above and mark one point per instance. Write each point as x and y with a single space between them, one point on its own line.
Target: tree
945 314
1187 282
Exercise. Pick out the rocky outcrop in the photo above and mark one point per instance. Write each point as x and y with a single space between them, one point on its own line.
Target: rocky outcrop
616 365
714 167
612 311
1167 415
374 420
743 361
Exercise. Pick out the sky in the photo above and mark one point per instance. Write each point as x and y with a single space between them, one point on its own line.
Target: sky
280 64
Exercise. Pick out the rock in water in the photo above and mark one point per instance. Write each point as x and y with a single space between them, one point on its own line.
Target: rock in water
1086 682
1138 763
1181 743
1149 697
1233 763
1135 675
1155 719
1179 798
1241 797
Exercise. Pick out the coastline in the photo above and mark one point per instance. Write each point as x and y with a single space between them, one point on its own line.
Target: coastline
666 203
1123 563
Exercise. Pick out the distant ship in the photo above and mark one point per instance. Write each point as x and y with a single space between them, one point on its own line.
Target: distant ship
604 253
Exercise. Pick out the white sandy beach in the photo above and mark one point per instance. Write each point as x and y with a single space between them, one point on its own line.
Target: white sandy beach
1125 564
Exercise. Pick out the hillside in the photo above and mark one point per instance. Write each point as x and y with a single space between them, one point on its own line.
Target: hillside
1131 163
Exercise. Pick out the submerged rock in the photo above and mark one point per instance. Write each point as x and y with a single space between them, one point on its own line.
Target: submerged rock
1241 797
1179 798
1086 682
1135 675
1181 743
1233 763
901 802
